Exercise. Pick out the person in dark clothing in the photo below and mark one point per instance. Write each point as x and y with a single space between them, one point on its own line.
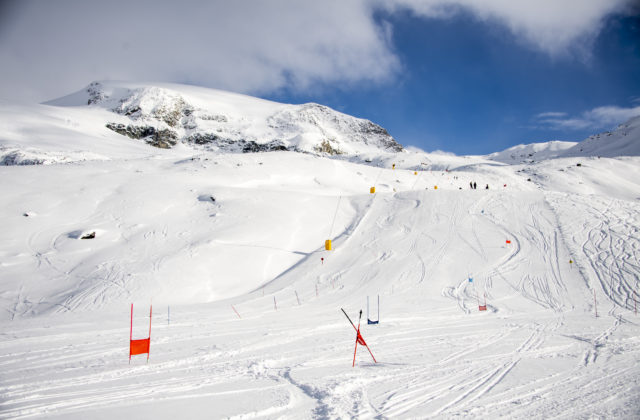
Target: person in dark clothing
470 184
487 187
475 186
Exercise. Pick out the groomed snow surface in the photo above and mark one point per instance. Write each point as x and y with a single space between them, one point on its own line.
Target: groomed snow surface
538 351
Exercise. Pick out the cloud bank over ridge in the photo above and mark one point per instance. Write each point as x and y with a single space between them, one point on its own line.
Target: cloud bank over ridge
250 46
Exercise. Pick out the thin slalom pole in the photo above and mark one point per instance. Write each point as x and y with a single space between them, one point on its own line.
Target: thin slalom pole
334 216
352 324
355 350
374 359
150 315
131 333
416 181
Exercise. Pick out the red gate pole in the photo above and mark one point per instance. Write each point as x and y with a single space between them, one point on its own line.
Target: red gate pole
355 350
131 333
149 348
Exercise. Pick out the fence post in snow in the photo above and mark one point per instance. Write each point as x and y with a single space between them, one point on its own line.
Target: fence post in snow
298 299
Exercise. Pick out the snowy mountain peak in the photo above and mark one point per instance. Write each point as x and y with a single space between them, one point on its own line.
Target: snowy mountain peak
164 114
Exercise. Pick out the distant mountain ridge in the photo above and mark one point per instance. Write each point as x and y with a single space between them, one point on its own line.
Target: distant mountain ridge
623 141
165 114
532 152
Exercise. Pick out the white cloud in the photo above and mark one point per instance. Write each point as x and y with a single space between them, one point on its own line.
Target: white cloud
603 117
555 27
48 49
552 115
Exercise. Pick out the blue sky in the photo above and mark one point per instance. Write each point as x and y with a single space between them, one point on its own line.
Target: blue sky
468 87
463 76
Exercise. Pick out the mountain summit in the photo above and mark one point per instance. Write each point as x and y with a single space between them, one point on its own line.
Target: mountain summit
164 114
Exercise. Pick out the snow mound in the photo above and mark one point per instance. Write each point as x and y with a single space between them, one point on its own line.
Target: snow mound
30 156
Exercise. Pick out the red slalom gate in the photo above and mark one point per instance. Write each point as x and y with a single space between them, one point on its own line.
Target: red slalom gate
359 338
483 307
143 345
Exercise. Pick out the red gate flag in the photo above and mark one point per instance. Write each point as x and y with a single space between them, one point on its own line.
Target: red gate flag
139 346
143 345
483 307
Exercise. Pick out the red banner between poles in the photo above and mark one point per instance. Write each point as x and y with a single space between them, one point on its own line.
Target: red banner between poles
142 345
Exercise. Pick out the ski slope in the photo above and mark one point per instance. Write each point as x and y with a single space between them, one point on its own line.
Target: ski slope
538 351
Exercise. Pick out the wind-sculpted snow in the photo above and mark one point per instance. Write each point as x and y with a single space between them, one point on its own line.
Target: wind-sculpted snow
246 315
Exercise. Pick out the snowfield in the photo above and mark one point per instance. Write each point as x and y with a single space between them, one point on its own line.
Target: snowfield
229 249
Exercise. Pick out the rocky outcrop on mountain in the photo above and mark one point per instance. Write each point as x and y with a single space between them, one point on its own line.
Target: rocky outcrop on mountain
163 138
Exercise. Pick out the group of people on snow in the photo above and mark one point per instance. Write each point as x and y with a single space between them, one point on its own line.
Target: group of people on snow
474 186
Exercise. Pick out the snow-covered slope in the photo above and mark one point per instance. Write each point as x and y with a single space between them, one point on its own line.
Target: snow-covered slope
531 152
229 249
623 141
164 114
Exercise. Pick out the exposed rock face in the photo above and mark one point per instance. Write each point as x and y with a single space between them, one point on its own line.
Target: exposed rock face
95 93
325 147
16 157
163 138
231 145
162 117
